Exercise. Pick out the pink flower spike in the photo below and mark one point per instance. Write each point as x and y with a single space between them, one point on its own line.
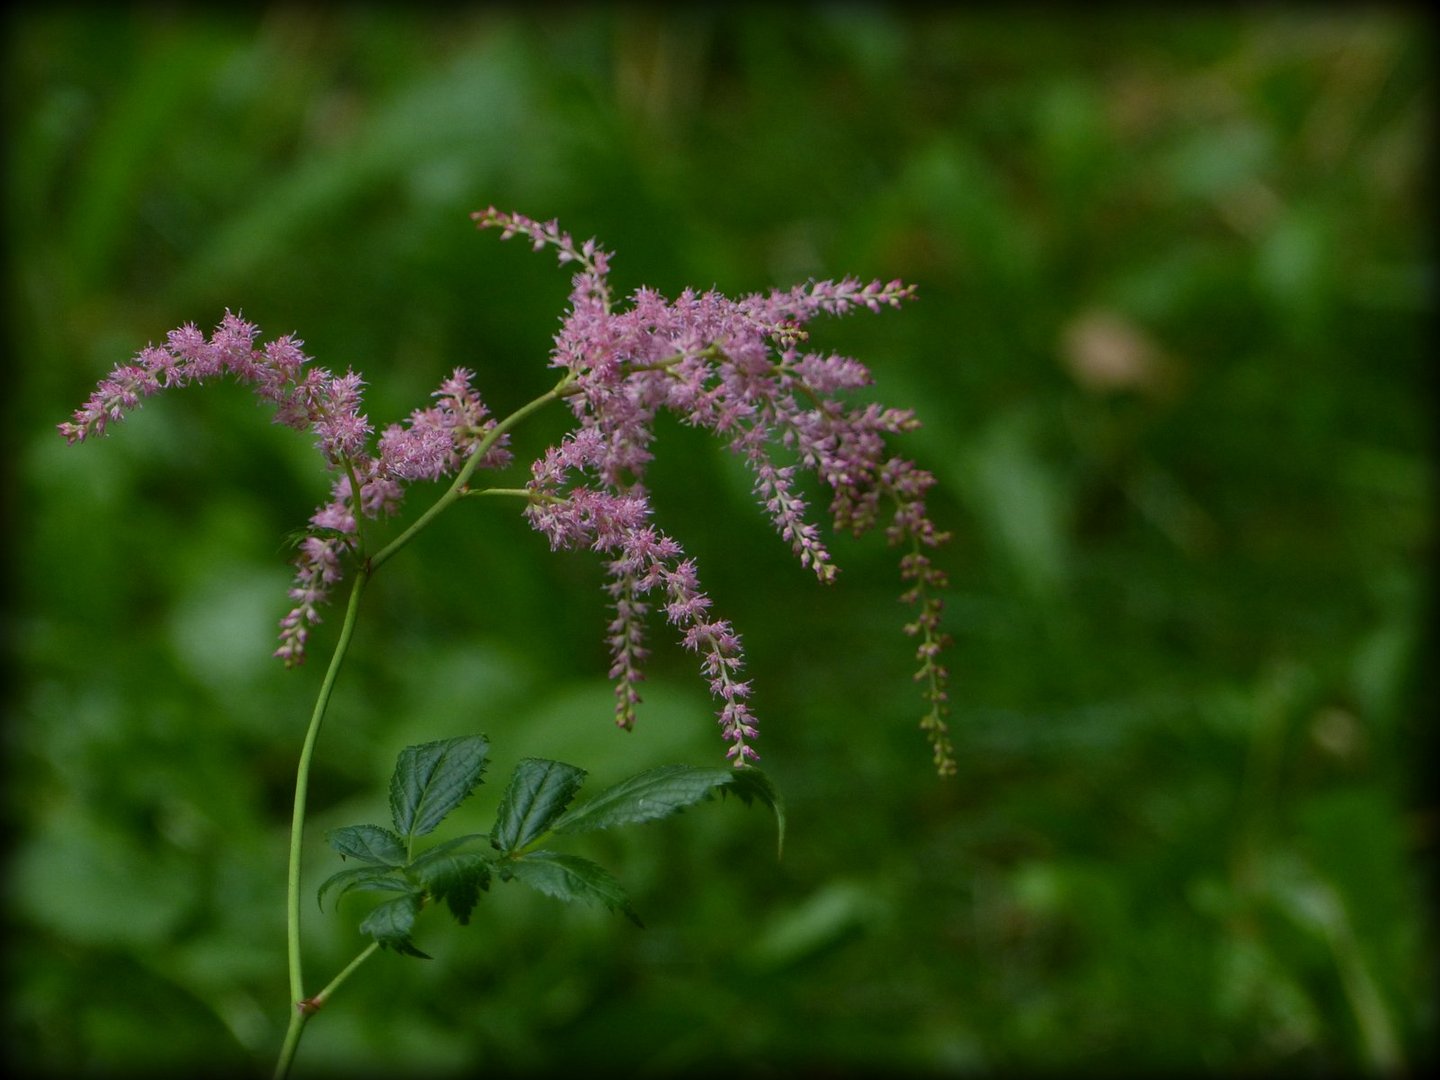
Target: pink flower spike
731 367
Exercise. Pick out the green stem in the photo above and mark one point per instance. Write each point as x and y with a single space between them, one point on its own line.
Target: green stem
323 996
297 824
291 1043
458 486
310 1006
302 779
306 1007
356 507
514 493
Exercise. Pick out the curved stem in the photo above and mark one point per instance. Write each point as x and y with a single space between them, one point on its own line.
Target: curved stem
458 486
302 781
306 1007
297 826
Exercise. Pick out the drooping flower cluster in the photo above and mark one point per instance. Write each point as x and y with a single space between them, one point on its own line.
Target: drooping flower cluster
737 368
433 442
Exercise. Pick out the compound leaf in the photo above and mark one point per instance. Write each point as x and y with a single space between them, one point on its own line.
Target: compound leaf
432 779
367 878
570 878
750 784
443 848
456 879
390 924
368 843
538 793
660 792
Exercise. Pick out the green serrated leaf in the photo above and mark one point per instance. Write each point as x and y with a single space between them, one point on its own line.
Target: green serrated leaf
432 779
748 783
538 793
456 879
570 878
368 843
660 792
390 924
443 849
365 878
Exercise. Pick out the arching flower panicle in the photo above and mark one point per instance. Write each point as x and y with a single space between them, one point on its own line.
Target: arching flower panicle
732 367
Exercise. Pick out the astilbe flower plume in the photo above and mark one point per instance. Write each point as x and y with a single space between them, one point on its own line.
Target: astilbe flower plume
433 442
737 368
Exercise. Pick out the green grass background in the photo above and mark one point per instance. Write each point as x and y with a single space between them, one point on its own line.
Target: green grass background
1176 287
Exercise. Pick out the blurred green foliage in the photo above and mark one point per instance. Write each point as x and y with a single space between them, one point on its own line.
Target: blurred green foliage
1175 277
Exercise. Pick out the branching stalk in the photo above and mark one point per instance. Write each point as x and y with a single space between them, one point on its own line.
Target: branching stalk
306 1007
458 486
